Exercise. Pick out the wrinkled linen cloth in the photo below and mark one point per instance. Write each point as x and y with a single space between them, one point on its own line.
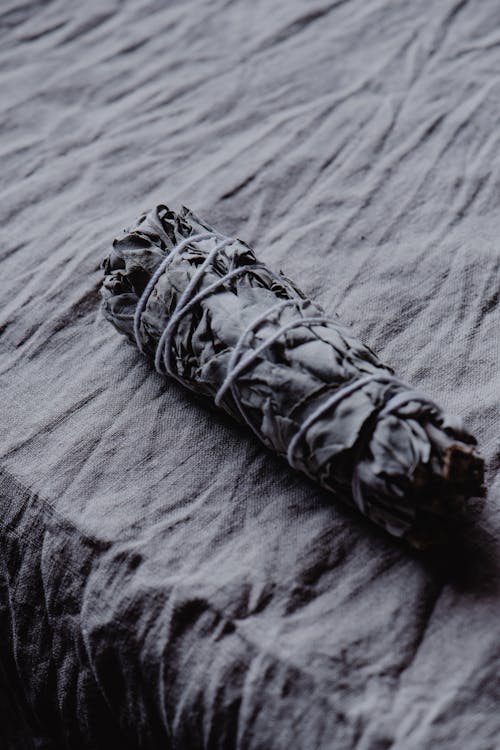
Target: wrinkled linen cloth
165 580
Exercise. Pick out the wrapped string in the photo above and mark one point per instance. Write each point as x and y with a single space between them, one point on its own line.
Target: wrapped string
238 363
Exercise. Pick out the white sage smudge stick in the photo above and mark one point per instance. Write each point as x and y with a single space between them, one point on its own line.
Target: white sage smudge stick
224 325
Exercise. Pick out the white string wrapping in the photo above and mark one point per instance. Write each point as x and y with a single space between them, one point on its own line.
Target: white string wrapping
238 364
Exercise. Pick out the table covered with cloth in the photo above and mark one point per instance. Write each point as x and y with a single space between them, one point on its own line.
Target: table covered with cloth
165 581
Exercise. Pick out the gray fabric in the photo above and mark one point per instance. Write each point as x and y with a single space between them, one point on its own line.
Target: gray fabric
165 581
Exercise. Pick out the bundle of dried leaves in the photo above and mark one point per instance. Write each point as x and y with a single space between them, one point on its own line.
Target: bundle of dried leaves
229 328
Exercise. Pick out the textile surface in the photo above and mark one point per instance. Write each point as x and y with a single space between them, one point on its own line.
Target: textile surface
165 580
